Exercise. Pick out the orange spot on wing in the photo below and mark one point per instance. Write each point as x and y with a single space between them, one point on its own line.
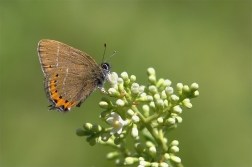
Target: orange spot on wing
57 97
60 102
69 105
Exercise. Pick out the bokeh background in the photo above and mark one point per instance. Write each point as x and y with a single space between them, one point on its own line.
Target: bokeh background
208 42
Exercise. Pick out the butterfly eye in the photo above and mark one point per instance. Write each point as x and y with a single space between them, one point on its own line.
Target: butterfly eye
105 66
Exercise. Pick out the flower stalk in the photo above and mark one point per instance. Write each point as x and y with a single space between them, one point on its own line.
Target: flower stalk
146 112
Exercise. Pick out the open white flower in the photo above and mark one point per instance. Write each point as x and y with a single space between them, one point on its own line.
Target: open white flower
116 122
112 79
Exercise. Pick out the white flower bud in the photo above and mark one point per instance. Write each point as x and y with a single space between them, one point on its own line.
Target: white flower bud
166 83
194 87
186 103
153 151
120 81
135 89
141 89
196 93
174 149
179 119
160 82
112 79
120 103
130 160
134 131
143 94
87 126
175 159
186 100
160 103
167 156
160 120
152 79
179 86
113 92
152 104
151 71
163 164
177 109
166 103
112 155
144 98
169 91
132 78
163 95
145 163
154 164
156 97
153 89
171 121
165 140
124 76
141 158
175 143
130 112
149 144
103 104
149 98
146 110
174 98
135 119
186 89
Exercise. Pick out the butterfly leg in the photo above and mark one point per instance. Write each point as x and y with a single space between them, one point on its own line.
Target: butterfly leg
102 89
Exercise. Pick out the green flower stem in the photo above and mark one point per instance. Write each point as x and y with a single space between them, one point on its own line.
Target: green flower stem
160 133
150 129
152 117
167 115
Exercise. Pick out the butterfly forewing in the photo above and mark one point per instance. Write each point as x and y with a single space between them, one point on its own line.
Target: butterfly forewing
70 74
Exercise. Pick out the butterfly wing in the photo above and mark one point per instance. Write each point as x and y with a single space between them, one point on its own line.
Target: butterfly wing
70 74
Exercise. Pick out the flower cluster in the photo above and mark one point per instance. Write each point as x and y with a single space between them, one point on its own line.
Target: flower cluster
145 112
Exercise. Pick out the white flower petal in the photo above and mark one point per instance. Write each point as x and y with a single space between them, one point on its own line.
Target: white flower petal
110 120
124 123
119 131
115 115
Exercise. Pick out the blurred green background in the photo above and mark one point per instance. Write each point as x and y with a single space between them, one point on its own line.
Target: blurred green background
208 42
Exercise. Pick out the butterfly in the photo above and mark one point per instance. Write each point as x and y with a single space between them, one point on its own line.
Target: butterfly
70 75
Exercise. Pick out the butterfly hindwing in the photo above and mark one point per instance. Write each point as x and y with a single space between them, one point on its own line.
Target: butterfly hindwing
70 75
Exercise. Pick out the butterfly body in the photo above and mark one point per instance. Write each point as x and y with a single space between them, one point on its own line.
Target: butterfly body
70 74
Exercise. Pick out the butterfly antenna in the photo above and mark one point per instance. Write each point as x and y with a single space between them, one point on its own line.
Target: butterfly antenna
105 46
110 56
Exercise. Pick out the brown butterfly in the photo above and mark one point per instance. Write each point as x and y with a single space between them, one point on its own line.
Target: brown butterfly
70 74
